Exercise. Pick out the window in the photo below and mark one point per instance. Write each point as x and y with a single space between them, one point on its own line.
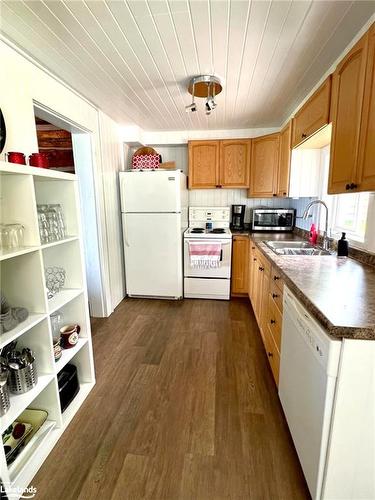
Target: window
350 215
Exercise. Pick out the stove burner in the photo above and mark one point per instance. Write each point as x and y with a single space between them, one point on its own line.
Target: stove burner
218 230
198 230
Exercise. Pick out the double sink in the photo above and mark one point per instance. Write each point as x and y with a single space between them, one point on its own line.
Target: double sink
295 248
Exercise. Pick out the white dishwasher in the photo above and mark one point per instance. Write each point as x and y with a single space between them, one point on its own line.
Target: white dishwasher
308 371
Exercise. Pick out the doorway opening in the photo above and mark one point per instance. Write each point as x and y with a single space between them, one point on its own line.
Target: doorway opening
69 148
57 144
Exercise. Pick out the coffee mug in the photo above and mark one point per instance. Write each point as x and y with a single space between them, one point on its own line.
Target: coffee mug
69 335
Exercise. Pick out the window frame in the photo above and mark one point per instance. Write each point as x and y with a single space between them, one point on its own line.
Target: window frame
336 229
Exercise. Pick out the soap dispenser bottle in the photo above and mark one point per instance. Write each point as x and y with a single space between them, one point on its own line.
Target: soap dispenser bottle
342 246
313 235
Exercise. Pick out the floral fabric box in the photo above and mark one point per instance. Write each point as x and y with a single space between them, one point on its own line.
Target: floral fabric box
145 162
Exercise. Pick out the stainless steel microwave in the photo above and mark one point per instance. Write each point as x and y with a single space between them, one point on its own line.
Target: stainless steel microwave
273 219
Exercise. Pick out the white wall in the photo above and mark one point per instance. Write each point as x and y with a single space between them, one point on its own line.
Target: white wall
22 84
112 162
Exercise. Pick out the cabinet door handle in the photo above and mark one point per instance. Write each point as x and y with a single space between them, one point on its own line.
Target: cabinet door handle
273 321
261 268
284 194
353 186
270 354
254 259
276 277
274 295
303 136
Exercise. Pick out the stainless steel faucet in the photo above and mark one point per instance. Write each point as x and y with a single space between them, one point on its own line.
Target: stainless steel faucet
325 232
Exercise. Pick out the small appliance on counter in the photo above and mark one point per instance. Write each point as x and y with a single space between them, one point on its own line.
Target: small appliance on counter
273 219
238 217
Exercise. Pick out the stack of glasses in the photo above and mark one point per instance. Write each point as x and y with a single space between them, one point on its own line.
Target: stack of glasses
11 236
10 316
51 223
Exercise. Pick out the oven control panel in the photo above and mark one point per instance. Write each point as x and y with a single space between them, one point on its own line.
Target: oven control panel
209 214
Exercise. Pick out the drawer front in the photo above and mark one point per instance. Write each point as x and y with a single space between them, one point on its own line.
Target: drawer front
277 295
275 322
272 355
277 279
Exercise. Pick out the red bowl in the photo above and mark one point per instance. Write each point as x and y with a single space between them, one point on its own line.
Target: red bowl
38 160
15 157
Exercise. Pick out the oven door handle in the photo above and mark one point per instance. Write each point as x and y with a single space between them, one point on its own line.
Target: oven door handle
221 255
198 240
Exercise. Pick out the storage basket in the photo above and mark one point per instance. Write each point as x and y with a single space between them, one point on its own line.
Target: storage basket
145 158
4 400
23 380
146 162
68 383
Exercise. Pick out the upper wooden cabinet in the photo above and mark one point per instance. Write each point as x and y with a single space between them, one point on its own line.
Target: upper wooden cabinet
235 163
365 178
215 164
348 87
313 115
264 166
204 164
284 161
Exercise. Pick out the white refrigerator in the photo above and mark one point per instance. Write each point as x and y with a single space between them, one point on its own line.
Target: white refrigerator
154 206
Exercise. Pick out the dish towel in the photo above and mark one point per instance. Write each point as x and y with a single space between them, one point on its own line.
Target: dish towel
204 255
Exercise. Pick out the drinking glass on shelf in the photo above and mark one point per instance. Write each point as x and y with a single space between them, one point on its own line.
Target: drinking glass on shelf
56 322
59 220
3 236
15 235
11 236
43 224
51 223
43 228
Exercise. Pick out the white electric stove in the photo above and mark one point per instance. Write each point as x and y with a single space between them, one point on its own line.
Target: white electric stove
207 224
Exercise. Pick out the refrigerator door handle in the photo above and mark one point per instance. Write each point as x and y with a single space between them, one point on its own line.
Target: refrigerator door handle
123 209
125 229
126 235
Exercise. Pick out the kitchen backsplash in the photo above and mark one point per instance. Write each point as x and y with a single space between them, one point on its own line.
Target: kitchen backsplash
227 197
300 204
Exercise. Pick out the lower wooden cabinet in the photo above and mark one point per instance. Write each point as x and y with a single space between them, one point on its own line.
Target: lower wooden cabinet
240 268
272 354
266 296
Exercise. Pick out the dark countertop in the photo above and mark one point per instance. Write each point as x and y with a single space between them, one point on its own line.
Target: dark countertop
338 292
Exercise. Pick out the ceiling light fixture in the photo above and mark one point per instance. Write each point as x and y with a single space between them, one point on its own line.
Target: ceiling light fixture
206 87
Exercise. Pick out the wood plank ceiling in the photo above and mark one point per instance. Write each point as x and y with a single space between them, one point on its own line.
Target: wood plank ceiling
133 59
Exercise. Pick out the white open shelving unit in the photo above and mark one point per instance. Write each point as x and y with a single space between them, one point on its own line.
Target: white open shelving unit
22 281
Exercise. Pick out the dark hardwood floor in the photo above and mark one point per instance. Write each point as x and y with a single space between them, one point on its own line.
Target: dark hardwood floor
185 407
